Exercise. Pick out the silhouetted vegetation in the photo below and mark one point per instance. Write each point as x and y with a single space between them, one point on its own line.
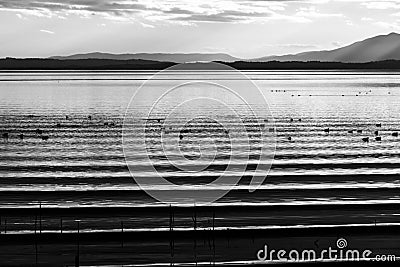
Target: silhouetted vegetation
107 64
315 65
81 64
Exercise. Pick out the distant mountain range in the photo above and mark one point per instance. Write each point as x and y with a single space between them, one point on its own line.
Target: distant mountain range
378 48
161 57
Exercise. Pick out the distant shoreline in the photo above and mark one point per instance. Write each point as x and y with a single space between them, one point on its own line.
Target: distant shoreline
13 64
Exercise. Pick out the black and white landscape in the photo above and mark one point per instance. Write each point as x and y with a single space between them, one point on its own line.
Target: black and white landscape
188 133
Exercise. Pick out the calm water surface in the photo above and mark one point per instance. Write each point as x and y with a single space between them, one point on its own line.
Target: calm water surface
82 163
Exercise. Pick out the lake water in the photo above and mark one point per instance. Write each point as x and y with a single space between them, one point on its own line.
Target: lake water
82 163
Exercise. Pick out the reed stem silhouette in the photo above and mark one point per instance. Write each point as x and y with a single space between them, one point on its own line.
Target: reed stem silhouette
122 234
78 249
40 217
171 228
194 218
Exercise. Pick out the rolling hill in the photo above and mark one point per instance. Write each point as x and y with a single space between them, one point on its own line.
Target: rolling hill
378 48
165 57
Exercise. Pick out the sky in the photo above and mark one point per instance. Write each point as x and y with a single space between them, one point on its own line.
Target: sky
242 28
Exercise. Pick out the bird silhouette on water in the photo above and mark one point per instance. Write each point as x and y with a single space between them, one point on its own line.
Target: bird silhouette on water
327 130
40 132
366 139
378 138
395 134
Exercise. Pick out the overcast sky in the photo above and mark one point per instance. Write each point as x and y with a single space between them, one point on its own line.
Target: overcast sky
242 28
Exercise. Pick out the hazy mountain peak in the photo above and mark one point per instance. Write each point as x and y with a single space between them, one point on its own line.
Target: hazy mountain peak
170 57
377 48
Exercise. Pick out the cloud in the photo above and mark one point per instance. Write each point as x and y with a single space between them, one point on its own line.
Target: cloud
146 25
366 19
190 12
224 16
312 12
168 10
387 25
382 5
47 31
20 16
